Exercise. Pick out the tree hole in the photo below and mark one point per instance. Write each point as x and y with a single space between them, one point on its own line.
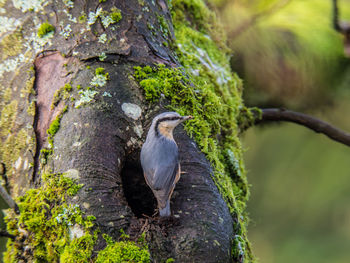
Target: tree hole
137 193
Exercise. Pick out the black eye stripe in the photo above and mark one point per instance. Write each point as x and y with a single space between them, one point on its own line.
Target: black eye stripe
165 119
169 119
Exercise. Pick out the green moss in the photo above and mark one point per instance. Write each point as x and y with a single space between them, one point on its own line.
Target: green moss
2 3
54 126
84 245
5 95
196 15
46 220
44 155
193 11
62 93
29 88
101 77
12 146
164 27
45 29
248 116
124 251
100 71
13 140
205 88
82 19
116 14
11 44
8 117
31 108
67 87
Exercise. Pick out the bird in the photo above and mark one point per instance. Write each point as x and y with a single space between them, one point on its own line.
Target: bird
160 159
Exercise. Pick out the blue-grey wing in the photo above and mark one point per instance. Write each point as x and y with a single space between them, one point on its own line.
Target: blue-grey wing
165 176
162 166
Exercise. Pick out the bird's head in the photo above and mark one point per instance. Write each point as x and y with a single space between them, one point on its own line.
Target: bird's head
165 123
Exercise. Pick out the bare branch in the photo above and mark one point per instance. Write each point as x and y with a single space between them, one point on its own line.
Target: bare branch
336 24
4 233
317 125
8 199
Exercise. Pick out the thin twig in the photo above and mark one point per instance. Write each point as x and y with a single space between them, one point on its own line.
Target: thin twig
4 233
336 16
317 125
8 199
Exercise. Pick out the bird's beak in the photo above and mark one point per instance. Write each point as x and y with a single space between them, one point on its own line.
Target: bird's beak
185 118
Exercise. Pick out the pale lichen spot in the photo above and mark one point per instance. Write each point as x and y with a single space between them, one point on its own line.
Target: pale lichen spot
8 24
30 5
131 142
107 94
86 96
86 205
66 31
18 163
25 164
132 110
102 38
111 223
76 144
138 130
216 243
76 232
72 174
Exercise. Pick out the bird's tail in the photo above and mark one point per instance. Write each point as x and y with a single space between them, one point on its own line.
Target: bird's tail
166 210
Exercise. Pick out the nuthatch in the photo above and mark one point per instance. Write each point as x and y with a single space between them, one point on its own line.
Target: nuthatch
160 158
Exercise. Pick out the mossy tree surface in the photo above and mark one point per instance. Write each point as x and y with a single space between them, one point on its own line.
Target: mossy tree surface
77 98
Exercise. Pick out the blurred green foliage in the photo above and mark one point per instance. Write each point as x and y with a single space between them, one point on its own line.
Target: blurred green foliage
286 51
299 204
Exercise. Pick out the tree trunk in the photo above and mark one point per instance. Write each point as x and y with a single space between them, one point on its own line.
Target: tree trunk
69 104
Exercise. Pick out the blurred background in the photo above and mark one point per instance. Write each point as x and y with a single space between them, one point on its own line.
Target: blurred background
289 55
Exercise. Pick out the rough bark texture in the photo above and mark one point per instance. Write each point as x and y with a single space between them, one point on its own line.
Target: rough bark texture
99 142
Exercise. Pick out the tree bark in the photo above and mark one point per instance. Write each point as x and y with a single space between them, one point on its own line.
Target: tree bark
99 143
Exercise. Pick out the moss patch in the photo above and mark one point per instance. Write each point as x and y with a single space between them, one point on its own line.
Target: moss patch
12 147
55 125
45 221
62 93
116 14
11 44
8 117
45 29
124 251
